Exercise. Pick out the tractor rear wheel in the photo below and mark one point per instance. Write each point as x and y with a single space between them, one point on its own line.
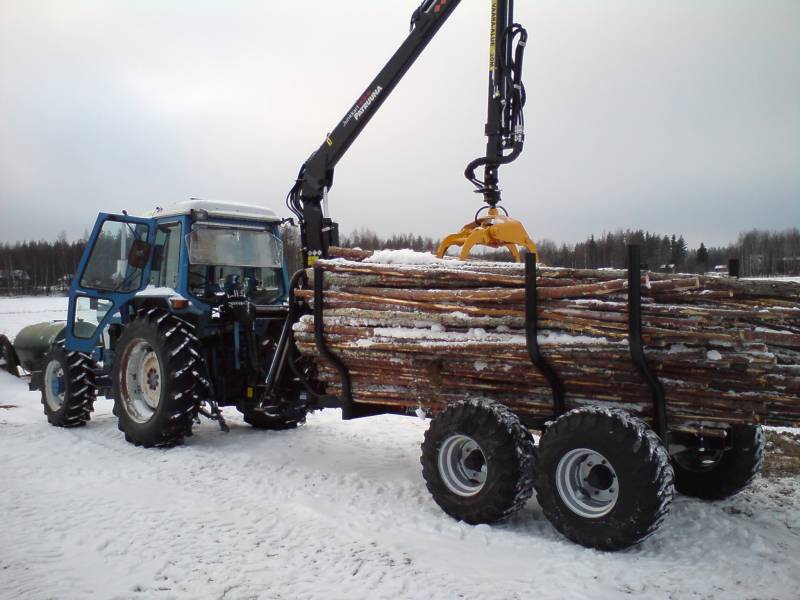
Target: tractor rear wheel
154 380
477 461
68 388
603 478
714 475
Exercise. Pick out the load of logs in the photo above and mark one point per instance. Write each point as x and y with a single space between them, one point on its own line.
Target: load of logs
419 332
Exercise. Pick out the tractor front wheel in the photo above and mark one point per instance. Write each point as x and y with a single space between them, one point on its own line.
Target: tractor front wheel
154 378
68 389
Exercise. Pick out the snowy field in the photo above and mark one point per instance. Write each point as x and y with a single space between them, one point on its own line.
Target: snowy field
332 510
17 312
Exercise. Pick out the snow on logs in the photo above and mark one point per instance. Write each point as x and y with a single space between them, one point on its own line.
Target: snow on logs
418 331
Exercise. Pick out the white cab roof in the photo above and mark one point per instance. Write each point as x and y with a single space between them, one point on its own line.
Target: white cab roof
215 208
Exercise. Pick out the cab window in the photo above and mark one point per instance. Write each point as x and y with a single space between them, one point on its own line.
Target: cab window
108 267
169 238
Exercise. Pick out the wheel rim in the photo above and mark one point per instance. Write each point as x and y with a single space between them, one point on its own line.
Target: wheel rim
462 465
142 379
54 385
698 460
587 483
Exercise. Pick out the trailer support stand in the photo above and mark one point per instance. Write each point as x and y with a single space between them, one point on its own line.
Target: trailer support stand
532 342
637 346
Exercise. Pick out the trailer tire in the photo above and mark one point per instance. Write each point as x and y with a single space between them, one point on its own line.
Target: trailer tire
603 478
156 377
477 461
8 356
68 387
732 471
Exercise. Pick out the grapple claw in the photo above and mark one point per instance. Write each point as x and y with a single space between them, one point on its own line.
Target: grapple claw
493 230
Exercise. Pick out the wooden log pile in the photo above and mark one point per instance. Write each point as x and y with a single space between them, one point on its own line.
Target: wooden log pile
423 335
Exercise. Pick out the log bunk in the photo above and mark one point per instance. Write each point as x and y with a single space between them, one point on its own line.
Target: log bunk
716 351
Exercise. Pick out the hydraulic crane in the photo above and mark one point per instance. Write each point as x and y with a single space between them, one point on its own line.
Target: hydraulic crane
504 131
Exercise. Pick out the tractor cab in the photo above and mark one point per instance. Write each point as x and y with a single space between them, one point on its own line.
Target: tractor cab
192 258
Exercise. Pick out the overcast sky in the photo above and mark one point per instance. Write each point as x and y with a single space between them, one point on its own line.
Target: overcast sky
673 116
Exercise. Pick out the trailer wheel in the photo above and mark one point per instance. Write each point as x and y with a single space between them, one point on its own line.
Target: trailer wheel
477 461
68 388
603 478
8 357
155 376
714 475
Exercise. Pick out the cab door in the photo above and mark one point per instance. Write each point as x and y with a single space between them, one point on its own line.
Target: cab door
114 267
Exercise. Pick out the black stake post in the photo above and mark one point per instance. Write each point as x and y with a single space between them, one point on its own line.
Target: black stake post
531 331
636 344
346 398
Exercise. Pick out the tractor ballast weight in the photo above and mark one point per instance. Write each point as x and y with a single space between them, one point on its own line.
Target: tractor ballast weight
33 342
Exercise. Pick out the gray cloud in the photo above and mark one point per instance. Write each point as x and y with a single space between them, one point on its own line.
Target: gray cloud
681 116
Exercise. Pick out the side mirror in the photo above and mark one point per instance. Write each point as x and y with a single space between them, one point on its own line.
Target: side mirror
139 254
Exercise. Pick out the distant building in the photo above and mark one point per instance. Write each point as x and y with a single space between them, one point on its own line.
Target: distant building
16 278
14 281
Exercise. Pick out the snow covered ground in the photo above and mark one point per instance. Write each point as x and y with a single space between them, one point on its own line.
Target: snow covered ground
332 510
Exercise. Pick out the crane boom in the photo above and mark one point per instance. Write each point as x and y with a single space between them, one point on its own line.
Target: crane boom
307 197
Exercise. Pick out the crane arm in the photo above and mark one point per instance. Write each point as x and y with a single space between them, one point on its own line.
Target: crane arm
307 198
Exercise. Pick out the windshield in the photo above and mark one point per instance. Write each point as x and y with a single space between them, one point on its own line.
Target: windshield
221 256
235 247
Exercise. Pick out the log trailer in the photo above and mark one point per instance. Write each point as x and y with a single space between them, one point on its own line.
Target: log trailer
178 313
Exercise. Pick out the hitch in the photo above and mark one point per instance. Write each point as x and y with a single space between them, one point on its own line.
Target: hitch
215 414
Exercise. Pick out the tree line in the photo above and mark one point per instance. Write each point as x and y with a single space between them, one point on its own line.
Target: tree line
46 267
39 267
760 253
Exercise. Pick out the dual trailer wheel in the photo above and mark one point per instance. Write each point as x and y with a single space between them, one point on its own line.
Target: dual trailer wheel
602 477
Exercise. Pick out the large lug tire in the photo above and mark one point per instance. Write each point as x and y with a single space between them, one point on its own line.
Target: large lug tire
603 478
156 380
477 461
68 387
716 475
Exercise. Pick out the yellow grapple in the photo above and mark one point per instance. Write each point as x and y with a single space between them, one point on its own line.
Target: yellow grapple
494 230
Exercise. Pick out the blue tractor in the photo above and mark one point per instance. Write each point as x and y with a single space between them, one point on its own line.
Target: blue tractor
172 315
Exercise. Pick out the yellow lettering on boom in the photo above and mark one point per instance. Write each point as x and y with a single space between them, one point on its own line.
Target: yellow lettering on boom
493 37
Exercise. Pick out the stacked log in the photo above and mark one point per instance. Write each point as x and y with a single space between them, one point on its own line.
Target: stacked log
424 335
